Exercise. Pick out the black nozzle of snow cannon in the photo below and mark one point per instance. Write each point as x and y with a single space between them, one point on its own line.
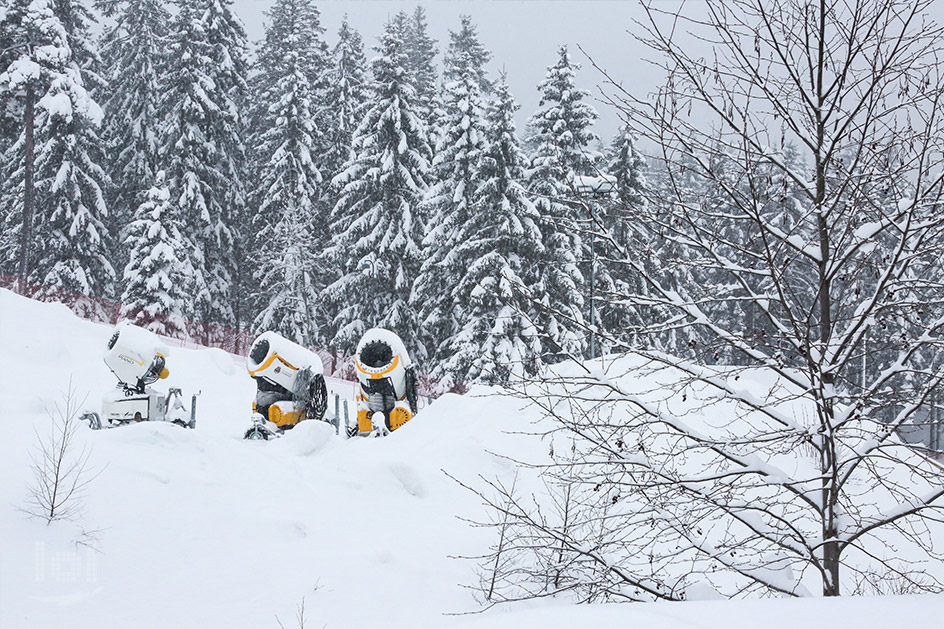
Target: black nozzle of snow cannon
376 354
259 351
154 372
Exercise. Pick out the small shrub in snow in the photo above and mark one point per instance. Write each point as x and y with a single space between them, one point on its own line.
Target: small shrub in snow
60 466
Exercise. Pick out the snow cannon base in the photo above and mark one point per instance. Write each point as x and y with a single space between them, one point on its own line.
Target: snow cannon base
378 423
150 406
262 429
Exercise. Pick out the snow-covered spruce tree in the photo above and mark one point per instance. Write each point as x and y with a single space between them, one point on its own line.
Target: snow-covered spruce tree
564 118
348 81
347 95
156 278
421 51
75 266
134 50
378 230
560 136
653 326
620 218
626 166
73 217
781 474
50 194
448 201
292 286
18 95
501 246
11 115
64 246
287 146
201 133
778 201
465 43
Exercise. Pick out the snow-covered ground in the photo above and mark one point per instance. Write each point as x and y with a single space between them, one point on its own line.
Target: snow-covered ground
203 529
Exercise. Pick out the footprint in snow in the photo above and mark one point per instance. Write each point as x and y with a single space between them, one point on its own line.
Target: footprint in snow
410 480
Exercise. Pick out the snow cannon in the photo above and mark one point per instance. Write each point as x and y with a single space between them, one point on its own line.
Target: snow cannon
290 385
387 398
138 359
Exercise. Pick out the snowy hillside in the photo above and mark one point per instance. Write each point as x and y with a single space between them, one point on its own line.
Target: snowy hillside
202 529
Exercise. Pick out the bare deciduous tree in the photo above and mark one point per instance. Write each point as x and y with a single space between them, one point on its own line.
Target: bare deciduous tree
812 274
60 466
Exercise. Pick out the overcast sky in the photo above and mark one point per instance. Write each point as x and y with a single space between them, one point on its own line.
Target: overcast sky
523 37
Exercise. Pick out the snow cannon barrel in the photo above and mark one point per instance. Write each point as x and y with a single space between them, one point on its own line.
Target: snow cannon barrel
279 360
381 355
387 378
136 356
290 384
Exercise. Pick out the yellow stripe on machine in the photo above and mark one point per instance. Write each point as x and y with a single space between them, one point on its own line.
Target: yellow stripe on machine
268 363
133 359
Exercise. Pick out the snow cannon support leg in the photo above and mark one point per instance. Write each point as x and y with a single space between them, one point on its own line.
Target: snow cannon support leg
94 420
261 429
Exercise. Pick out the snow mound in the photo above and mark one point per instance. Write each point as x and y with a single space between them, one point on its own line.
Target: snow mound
201 528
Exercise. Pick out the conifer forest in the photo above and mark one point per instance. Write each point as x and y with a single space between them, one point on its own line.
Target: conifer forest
155 170
325 184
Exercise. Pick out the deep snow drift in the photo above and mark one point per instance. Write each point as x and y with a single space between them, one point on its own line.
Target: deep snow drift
202 529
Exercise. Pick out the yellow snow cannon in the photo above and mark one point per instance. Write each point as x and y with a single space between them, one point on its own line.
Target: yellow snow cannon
138 359
387 398
290 385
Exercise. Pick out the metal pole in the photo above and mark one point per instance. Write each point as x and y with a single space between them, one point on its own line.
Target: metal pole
593 268
935 428
346 420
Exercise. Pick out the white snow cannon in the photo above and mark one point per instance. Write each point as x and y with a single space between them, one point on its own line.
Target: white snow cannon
290 385
138 358
387 398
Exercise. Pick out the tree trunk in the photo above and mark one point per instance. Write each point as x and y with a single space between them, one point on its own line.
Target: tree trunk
26 234
824 372
831 562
